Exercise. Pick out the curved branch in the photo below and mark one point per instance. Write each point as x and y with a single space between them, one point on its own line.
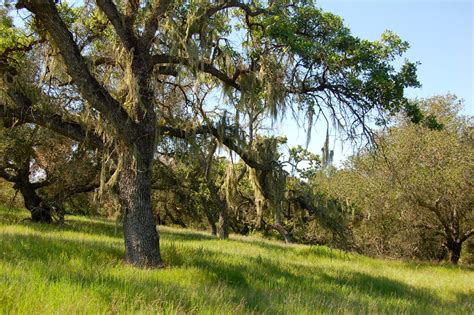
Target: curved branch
151 24
226 141
121 25
203 66
48 17
227 4
25 112
54 122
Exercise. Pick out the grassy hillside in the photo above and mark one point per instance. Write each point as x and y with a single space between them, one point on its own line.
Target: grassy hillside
78 268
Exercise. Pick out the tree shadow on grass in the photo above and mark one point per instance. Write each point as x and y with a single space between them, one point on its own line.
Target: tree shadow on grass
51 248
466 299
265 285
88 265
275 247
251 283
432 265
94 227
378 286
176 235
103 227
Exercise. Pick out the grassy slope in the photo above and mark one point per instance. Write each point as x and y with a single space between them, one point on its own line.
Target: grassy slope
78 268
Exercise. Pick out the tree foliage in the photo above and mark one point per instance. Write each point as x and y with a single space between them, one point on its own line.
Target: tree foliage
414 196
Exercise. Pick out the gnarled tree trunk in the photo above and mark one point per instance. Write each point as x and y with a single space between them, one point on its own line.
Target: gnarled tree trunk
454 249
211 222
34 203
223 222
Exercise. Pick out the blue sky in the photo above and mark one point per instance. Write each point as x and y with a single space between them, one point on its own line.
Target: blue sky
440 34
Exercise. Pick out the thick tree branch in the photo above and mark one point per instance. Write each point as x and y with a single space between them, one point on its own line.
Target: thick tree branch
123 26
151 24
467 235
226 141
223 5
24 112
167 70
227 4
48 17
38 185
202 66
5 175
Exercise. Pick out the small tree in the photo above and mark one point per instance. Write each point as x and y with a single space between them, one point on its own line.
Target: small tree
418 188
434 171
46 169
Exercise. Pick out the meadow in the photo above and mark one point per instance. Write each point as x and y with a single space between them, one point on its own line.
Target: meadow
77 267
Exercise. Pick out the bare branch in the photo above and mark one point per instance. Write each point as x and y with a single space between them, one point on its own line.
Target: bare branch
467 235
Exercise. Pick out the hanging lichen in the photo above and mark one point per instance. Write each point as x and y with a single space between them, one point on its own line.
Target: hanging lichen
272 76
268 185
230 185
129 87
260 200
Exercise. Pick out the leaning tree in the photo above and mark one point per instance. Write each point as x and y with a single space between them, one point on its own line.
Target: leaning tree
122 75
46 169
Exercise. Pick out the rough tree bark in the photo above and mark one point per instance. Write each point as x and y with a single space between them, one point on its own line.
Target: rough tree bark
40 212
223 223
454 248
455 252
141 237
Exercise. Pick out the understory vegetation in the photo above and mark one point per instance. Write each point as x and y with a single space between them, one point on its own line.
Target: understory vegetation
78 267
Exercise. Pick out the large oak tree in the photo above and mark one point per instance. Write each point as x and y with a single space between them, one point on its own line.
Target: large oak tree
121 75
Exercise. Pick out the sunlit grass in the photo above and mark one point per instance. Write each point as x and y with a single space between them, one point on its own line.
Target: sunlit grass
78 268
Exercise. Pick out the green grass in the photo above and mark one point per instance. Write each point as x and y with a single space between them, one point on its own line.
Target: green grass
78 268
